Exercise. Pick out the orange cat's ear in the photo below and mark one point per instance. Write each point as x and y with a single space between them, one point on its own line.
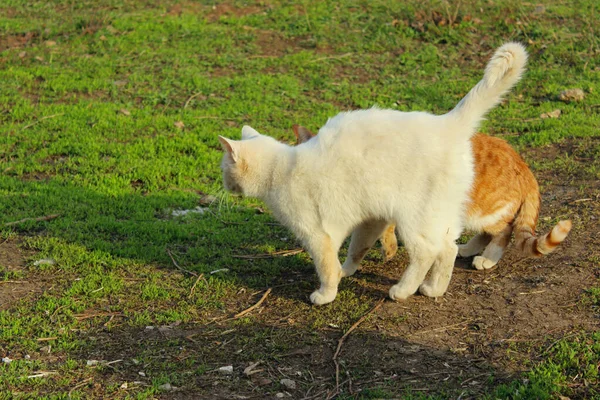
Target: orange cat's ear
302 134
230 146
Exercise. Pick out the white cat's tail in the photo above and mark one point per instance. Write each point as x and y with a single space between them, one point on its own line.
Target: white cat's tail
502 72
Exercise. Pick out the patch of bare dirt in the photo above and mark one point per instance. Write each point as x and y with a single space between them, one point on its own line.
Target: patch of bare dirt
16 41
488 328
12 262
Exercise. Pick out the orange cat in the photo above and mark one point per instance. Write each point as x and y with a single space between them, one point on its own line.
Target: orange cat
505 198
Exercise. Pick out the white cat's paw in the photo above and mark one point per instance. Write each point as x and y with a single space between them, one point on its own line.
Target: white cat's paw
481 263
400 293
429 290
322 296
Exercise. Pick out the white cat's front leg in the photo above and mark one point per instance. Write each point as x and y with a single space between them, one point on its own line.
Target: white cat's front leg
324 252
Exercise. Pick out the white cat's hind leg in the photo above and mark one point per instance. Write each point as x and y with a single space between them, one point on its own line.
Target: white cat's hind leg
474 246
441 272
362 240
422 254
494 251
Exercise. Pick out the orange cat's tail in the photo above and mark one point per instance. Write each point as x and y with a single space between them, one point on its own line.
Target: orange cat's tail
524 229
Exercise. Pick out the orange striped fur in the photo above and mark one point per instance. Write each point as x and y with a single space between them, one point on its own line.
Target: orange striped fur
505 198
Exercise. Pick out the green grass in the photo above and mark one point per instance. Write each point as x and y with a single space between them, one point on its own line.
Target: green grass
91 101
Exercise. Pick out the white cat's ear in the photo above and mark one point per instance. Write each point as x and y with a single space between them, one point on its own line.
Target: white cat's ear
230 146
249 133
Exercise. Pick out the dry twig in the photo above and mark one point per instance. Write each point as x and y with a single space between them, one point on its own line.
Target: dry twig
190 99
201 276
442 328
46 218
41 119
341 342
282 253
246 311
46 339
80 384
178 266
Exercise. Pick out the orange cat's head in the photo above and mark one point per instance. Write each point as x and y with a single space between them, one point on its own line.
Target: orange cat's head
302 134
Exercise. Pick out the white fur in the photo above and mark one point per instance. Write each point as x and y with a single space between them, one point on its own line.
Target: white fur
478 223
413 169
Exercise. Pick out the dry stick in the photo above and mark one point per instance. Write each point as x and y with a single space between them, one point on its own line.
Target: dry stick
190 99
80 384
41 119
341 342
282 253
246 311
442 328
80 317
46 339
201 276
331 57
178 267
46 218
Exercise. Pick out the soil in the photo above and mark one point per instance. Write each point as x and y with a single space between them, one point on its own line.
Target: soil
489 327
12 260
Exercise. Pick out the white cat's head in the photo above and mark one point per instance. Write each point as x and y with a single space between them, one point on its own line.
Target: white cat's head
246 163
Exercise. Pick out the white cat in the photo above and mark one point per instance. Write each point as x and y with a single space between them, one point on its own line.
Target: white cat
370 167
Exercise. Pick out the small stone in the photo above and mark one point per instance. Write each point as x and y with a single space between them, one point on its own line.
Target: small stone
91 363
27 356
45 261
571 95
6 360
288 383
551 114
141 373
149 328
264 381
226 370
124 385
280 395
167 387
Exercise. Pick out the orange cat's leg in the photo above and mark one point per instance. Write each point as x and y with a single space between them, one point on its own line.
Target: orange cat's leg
475 245
494 251
389 243
362 240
